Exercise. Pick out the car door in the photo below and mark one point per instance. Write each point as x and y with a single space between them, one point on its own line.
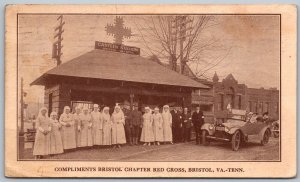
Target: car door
253 128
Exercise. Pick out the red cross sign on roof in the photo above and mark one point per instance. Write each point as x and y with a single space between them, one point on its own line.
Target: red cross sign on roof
118 30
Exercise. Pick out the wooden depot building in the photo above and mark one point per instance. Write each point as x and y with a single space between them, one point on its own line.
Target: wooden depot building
115 73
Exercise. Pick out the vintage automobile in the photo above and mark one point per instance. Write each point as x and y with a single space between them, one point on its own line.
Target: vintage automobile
236 129
275 128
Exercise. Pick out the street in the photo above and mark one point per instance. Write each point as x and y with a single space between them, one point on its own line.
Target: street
177 152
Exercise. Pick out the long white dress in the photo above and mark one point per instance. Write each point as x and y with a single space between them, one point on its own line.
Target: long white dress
56 145
118 132
76 118
157 127
68 132
97 128
107 125
147 130
42 141
167 126
86 136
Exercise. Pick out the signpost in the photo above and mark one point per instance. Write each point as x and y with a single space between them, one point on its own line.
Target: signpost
117 48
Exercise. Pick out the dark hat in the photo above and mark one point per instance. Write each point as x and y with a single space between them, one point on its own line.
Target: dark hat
265 113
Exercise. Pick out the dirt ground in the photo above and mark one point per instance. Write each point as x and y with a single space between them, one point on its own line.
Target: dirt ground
177 152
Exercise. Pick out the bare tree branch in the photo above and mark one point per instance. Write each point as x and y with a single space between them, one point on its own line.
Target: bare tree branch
182 40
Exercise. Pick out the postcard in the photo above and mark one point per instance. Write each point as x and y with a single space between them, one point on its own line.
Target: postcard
150 91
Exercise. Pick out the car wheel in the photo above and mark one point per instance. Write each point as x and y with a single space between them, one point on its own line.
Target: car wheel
205 141
265 138
236 140
276 133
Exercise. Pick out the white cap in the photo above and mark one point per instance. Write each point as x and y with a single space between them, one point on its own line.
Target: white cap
53 113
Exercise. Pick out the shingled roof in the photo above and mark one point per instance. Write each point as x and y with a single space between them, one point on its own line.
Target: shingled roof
107 65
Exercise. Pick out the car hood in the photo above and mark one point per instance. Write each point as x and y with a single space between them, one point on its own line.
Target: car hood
234 123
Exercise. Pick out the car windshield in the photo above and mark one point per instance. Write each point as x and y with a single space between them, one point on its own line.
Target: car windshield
237 117
234 123
234 120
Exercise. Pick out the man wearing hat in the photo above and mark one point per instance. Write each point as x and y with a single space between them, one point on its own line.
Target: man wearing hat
249 116
266 118
186 125
136 119
198 121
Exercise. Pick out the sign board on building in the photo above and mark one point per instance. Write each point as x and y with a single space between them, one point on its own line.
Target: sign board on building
117 48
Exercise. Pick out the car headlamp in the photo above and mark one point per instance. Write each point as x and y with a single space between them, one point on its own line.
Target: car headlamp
226 129
211 127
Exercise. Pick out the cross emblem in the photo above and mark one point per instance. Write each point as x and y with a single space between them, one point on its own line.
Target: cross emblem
118 30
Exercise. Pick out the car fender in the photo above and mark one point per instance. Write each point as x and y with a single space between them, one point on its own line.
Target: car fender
205 126
262 132
232 130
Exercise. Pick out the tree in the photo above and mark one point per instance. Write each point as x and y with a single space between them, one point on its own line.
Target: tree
181 40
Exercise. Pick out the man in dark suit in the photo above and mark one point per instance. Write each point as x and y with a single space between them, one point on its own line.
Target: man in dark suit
198 121
127 126
176 126
136 121
187 124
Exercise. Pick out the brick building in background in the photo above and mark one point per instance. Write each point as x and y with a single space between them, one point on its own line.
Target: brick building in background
214 101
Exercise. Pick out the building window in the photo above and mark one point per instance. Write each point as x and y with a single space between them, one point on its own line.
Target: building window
260 107
254 106
266 108
50 102
250 106
221 102
196 92
239 101
206 107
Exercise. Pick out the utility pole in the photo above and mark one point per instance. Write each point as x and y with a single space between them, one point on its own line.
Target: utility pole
21 131
182 32
173 42
57 46
180 29
22 106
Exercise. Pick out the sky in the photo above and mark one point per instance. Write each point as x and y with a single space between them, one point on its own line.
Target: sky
251 44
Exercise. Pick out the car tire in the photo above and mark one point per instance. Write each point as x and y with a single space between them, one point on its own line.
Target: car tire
265 138
276 133
205 141
236 140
